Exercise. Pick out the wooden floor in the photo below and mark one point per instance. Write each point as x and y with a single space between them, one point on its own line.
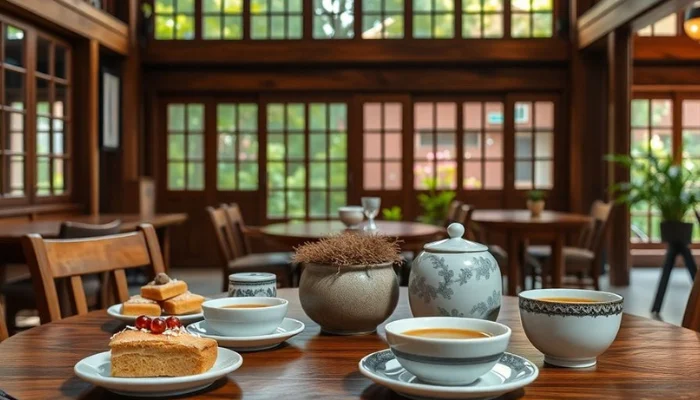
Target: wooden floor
638 296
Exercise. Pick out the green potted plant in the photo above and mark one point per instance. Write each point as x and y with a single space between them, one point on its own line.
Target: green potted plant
392 214
662 184
535 202
435 204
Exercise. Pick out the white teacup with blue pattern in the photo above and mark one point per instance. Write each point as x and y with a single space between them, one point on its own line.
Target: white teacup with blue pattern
252 284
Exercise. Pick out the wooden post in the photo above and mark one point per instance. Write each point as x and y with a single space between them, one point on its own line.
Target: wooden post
131 98
619 55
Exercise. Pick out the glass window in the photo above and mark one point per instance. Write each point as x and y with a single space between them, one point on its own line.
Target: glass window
382 142
237 146
334 19
185 141
482 19
174 19
531 18
222 19
306 160
534 144
276 19
482 146
667 26
382 19
435 147
433 19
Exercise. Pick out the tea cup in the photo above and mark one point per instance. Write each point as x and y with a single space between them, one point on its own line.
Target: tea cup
228 318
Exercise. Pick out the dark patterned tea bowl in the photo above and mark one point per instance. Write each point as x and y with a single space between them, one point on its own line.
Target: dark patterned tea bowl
572 327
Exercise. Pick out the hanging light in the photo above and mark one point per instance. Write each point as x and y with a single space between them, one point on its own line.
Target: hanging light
692 22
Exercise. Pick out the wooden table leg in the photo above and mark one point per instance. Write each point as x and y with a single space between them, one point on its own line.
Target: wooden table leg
557 261
513 264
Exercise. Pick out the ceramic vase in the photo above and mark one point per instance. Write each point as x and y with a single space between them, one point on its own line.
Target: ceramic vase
455 278
348 300
536 207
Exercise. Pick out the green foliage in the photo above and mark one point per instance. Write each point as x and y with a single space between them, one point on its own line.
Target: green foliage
392 214
536 195
435 204
671 188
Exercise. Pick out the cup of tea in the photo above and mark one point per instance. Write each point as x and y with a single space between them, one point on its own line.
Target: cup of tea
252 284
245 316
445 350
572 327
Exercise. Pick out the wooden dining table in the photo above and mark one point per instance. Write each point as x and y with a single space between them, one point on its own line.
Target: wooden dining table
11 233
412 234
519 226
648 360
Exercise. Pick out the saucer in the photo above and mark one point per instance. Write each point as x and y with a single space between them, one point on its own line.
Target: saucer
289 327
116 312
96 369
510 373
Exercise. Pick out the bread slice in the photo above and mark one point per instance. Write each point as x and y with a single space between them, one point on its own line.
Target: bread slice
138 354
137 305
186 303
162 292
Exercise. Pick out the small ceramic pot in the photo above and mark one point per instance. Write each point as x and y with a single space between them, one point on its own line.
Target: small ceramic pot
455 278
536 207
252 284
349 300
351 216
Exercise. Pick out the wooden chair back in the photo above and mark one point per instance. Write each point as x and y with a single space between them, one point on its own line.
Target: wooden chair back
691 318
453 211
224 236
591 237
49 260
464 217
241 245
3 326
78 230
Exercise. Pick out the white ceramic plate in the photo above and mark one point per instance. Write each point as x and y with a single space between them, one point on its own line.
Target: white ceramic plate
290 327
96 369
512 372
116 312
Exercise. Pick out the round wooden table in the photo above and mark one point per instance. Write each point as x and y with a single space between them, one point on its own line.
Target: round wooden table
649 359
295 233
518 226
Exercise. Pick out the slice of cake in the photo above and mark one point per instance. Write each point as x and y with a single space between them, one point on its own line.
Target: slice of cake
137 305
163 288
186 303
140 353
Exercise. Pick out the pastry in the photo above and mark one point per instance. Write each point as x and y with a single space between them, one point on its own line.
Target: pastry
163 288
137 305
166 350
186 303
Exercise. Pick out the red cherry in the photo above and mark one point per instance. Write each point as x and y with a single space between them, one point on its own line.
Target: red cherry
143 322
158 326
173 322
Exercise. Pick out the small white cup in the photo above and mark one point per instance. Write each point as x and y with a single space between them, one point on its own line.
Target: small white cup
351 216
449 362
242 322
252 284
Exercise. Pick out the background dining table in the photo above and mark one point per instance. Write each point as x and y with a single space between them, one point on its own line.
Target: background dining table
519 226
648 360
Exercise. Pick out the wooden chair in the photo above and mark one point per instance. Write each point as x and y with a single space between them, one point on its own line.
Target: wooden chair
20 295
476 233
3 328
691 318
234 248
50 260
453 212
584 259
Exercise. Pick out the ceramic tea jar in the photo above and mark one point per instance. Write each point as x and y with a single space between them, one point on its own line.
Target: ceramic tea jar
455 277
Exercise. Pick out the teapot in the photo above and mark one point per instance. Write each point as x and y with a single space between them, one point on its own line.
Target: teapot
455 277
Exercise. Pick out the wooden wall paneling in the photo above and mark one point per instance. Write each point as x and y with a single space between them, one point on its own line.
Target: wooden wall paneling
619 54
76 17
675 50
679 77
223 52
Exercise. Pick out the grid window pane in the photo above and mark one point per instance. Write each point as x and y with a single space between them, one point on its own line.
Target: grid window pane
174 20
333 19
434 145
433 19
534 144
237 168
382 19
532 18
185 146
382 146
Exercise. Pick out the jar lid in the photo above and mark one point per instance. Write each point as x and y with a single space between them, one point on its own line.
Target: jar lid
455 243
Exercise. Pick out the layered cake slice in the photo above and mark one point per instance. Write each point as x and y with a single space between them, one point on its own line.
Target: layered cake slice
186 303
173 352
137 305
163 288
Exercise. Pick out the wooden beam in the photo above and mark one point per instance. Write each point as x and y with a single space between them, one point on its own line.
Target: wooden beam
608 15
619 54
218 52
92 118
667 50
131 98
677 78
77 17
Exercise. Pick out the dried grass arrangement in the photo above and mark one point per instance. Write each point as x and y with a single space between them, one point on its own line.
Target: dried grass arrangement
349 249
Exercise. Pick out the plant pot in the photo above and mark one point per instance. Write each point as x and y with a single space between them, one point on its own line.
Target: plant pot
676 232
349 300
536 207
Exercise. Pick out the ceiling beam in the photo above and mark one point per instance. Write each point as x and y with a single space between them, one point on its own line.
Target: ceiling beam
608 15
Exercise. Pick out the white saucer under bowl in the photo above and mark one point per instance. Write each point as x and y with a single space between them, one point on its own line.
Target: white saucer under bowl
289 327
116 312
512 372
96 369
